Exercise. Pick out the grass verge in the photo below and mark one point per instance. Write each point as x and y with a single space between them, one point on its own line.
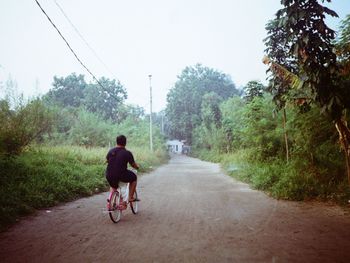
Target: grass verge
45 176
296 180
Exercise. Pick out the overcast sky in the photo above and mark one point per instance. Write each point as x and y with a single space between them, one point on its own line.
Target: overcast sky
135 38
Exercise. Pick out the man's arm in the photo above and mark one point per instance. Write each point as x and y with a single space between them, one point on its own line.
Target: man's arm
132 161
107 158
135 165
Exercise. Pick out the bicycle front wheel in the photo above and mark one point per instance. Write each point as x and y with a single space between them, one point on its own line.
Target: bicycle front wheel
115 213
134 205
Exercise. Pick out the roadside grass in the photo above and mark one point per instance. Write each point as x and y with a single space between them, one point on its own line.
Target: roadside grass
296 180
45 176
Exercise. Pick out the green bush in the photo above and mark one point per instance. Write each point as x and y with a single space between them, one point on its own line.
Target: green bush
22 125
90 130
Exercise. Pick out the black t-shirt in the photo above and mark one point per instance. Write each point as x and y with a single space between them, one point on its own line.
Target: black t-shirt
118 159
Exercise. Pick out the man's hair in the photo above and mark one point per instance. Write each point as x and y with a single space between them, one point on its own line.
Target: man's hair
121 140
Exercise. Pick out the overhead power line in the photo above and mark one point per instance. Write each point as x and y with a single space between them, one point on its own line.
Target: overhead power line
70 48
87 44
84 40
76 56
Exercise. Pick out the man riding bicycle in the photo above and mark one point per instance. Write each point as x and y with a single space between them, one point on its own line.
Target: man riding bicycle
117 163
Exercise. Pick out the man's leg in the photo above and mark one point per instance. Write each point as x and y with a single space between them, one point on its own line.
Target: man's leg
131 178
113 183
111 190
132 188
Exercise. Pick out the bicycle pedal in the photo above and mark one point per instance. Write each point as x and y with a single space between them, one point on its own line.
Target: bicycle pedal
105 211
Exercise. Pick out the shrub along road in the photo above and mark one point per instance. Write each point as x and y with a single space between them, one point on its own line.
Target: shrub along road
190 212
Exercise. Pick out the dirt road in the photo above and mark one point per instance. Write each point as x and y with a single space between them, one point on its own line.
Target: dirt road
190 212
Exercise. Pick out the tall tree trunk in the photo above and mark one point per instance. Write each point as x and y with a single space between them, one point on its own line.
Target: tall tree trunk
344 138
285 133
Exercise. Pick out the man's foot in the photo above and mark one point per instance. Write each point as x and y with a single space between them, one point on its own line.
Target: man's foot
134 200
108 205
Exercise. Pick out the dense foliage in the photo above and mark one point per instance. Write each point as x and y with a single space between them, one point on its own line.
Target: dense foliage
318 76
250 145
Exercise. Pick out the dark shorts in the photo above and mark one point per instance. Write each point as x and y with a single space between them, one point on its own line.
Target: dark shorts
127 177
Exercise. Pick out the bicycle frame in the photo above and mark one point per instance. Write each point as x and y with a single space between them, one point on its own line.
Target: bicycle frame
123 191
118 201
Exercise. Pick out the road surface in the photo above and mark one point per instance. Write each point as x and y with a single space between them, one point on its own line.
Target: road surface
190 212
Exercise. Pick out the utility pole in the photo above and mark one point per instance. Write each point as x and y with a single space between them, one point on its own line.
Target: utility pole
150 114
162 122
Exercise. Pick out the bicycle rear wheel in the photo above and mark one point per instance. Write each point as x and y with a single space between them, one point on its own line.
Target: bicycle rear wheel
115 213
134 205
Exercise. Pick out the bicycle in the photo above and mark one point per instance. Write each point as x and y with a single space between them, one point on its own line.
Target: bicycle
118 201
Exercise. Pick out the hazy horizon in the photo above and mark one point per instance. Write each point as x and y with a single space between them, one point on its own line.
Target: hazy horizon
135 39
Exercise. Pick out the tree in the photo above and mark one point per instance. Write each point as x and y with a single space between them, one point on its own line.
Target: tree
259 128
184 100
311 45
253 89
209 134
68 91
232 122
210 111
277 47
133 112
106 100
342 44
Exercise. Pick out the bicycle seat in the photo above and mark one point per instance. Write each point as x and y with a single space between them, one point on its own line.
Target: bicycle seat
122 184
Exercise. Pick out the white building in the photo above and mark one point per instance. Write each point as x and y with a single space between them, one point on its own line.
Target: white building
175 146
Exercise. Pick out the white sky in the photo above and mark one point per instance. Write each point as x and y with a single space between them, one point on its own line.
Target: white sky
136 38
